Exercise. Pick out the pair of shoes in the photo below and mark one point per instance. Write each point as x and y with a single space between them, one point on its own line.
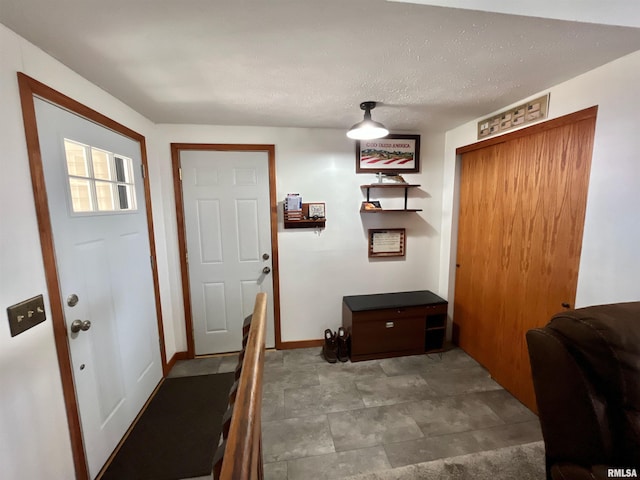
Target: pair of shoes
330 347
344 347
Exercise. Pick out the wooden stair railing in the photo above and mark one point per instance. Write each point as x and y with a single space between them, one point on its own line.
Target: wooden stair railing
239 454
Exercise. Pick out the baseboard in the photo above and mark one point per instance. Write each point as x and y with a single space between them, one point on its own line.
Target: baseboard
176 356
300 344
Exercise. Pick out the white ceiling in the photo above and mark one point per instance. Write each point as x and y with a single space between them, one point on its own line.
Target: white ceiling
309 63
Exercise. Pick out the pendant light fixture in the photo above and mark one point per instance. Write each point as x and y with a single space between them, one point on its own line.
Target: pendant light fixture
367 129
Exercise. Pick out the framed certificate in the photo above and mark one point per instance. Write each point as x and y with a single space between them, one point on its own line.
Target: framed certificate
387 243
316 210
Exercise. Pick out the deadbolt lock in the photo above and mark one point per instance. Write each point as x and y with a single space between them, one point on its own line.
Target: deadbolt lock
72 300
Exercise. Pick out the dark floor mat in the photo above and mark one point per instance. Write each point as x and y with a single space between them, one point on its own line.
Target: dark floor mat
177 435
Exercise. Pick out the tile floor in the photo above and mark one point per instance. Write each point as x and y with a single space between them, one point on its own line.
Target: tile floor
324 421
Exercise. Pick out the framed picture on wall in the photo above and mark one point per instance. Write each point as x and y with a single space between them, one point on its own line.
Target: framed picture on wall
390 242
395 153
316 210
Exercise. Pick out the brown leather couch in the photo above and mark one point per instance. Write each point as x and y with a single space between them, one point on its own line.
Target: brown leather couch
586 375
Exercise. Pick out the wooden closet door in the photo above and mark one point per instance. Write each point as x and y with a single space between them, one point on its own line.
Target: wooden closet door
522 207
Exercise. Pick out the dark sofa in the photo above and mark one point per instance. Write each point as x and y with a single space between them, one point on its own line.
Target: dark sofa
586 375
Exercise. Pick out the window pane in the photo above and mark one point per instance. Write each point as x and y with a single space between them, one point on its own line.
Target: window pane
101 165
76 159
124 198
127 197
131 195
120 169
123 169
80 195
106 182
104 193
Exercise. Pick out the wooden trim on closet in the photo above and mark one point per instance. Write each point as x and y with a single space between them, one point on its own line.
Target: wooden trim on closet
590 112
30 88
176 148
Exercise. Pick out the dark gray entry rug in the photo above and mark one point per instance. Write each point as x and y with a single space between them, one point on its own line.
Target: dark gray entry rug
177 435
520 462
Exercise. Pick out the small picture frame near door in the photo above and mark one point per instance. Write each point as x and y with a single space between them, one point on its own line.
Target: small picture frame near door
316 210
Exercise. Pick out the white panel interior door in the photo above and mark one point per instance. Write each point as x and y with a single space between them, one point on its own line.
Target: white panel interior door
103 259
228 237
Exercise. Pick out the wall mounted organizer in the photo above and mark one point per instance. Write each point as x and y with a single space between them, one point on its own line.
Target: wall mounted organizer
311 215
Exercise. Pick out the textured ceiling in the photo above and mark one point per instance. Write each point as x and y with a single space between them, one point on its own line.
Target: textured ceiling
309 63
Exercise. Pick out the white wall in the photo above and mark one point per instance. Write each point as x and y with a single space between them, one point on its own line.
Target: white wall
318 268
610 259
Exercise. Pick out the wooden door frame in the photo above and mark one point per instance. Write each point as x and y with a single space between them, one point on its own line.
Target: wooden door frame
176 148
30 88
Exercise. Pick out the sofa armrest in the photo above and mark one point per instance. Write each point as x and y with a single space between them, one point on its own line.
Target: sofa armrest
570 471
572 415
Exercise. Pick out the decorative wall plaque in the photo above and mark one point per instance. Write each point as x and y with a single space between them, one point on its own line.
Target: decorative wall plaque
392 154
390 242
529 112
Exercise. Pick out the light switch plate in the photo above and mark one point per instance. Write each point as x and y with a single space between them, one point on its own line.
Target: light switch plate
24 315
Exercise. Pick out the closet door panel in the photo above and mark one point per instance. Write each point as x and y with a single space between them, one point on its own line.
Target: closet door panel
522 211
479 254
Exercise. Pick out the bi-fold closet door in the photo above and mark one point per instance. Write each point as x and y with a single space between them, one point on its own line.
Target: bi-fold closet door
522 208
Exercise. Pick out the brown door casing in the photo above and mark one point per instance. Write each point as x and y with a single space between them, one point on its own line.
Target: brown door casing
522 207
176 148
29 88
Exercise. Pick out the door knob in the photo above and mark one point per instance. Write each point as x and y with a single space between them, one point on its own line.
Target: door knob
266 270
78 325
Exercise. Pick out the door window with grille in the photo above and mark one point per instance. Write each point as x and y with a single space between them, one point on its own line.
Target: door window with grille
99 181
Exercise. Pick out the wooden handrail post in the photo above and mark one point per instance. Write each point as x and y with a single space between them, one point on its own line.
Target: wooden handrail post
243 453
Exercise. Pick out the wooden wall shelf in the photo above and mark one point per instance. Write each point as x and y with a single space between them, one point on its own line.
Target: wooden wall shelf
390 185
390 210
405 186
301 220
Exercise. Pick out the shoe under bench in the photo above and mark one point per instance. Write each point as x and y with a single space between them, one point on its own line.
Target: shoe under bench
394 324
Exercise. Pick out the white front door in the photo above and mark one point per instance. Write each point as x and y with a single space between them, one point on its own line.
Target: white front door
228 239
98 218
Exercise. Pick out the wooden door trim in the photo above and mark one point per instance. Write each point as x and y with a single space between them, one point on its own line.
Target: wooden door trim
30 88
590 112
176 148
